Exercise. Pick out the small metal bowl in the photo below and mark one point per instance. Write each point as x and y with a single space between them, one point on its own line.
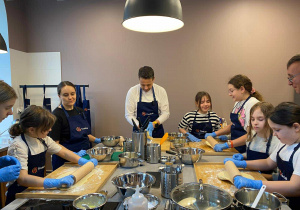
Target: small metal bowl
93 200
178 143
126 183
175 135
101 153
165 159
110 141
153 201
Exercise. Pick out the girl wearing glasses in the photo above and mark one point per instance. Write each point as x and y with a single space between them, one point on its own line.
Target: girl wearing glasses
285 123
244 95
201 121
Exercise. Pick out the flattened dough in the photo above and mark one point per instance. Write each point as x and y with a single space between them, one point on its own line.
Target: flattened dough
223 175
208 144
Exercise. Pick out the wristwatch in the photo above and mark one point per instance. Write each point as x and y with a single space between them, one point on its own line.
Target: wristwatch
155 124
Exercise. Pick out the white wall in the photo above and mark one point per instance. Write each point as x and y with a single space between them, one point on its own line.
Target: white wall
35 69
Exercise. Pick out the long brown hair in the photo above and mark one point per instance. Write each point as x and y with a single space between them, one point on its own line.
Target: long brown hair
242 80
267 109
6 92
33 116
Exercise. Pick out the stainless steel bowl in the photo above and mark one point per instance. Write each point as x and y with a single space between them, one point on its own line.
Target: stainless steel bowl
178 143
130 159
190 155
110 141
126 183
101 153
165 159
205 196
93 200
153 201
246 196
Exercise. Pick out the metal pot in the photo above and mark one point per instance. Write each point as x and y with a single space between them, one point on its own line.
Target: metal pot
130 159
91 201
178 143
246 196
206 196
126 183
188 155
110 141
101 153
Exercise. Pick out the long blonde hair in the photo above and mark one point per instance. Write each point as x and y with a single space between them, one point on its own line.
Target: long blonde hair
266 108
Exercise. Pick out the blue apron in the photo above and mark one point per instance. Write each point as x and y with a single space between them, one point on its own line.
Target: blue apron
78 101
286 170
79 131
26 101
237 130
145 109
200 129
254 155
46 101
86 107
36 167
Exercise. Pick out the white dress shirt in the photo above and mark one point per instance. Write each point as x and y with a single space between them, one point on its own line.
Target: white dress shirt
133 97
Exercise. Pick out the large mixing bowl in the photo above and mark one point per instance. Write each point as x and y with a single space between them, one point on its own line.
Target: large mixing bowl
245 198
130 159
199 196
101 153
126 183
110 141
190 155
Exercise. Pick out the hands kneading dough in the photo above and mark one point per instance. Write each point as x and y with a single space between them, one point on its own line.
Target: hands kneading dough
223 175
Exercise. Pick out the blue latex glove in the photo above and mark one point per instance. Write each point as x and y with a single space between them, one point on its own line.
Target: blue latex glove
238 157
81 153
67 180
9 173
238 163
240 182
223 138
213 134
193 138
220 147
83 161
8 161
150 128
97 140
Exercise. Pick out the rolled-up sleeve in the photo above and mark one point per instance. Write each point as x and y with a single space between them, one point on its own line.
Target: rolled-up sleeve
19 150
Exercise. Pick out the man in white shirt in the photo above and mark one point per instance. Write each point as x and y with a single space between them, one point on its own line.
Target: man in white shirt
147 100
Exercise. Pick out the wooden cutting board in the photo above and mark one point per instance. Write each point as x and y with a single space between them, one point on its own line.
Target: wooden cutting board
91 183
202 145
208 173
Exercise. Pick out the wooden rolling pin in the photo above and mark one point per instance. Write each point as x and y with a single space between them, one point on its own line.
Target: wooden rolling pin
232 170
81 172
212 141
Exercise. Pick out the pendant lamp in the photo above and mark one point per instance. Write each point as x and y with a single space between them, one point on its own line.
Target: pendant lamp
3 48
153 16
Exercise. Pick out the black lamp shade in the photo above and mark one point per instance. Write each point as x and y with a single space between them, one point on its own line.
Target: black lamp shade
153 16
3 47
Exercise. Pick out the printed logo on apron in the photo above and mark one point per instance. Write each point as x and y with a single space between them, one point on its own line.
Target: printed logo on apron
78 129
34 170
281 174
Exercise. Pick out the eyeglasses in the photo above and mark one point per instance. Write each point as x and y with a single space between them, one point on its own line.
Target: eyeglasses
292 77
